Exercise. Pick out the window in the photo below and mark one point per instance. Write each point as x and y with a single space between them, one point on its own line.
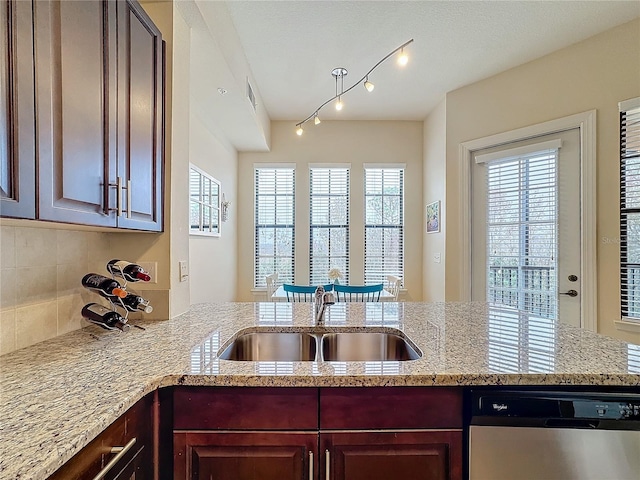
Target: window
204 203
329 223
274 223
522 230
384 223
630 208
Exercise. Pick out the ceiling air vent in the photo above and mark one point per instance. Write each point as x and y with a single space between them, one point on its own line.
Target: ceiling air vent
251 96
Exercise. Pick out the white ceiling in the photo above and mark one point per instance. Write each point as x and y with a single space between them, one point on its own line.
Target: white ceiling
292 46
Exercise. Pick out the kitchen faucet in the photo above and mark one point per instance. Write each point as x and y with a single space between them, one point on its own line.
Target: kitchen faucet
322 301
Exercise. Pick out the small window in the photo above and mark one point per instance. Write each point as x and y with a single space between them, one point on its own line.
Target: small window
204 203
630 209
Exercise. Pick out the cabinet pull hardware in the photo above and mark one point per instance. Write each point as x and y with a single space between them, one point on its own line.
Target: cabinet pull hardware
327 466
121 452
118 187
310 466
128 187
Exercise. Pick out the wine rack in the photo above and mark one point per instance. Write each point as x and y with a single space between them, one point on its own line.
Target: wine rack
120 300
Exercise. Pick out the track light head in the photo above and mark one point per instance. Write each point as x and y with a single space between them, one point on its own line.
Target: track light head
316 120
339 104
299 130
368 85
403 59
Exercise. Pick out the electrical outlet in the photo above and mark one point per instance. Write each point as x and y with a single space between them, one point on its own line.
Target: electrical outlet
152 269
184 270
436 258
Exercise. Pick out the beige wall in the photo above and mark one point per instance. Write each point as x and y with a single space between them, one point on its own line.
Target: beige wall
434 188
354 142
594 74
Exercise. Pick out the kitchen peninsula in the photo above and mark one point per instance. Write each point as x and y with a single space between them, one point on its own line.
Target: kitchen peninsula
58 395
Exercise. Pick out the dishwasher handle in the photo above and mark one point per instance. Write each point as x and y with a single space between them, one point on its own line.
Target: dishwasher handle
571 423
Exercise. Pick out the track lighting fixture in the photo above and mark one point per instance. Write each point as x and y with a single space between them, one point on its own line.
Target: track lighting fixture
339 73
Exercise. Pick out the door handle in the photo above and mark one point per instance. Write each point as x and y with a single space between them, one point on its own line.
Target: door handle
570 293
121 452
327 474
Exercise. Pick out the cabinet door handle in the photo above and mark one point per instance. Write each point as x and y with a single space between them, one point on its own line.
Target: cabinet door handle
119 196
121 452
128 187
327 465
310 466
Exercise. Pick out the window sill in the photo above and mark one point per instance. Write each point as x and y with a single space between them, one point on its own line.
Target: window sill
628 325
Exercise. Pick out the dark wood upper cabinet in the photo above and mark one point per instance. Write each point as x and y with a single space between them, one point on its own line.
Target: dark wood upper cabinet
95 120
140 97
17 124
75 110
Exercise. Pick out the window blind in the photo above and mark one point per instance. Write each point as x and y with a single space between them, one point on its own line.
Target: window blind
329 223
522 232
630 208
274 224
384 224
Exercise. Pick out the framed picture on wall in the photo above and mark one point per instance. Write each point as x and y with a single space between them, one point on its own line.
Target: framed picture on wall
433 217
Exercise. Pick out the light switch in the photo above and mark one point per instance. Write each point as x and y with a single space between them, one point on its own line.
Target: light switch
184 270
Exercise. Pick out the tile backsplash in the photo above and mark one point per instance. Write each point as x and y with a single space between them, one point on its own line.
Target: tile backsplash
40 272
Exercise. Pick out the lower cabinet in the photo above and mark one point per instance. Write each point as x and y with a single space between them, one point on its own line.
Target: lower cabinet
420 455
309 433
246 456
124 451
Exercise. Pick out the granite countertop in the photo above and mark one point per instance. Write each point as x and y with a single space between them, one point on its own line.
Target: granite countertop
56 396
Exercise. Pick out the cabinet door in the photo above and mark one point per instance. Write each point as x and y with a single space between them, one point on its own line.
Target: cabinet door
245 455
140 117
17 116
426 455
75 110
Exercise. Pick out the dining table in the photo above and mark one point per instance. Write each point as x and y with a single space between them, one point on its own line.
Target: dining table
281 296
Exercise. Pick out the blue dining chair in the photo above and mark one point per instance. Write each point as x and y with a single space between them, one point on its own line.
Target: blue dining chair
302 293
358 293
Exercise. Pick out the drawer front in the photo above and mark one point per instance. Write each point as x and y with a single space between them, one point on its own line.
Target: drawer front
135 423
390 407
233 408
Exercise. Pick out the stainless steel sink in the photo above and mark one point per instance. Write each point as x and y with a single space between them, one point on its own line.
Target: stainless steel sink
301 346
272 347
366 346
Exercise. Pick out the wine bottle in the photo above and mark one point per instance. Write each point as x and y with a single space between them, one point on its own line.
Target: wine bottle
133 302
105 318
105 286
127 270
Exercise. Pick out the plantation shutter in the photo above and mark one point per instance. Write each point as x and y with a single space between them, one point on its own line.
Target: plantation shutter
522 229
384 223
329 223
630 208
274 224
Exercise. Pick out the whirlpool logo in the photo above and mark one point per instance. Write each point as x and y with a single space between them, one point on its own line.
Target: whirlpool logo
498 407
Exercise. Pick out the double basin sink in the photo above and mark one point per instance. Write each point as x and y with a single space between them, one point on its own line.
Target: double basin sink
312 346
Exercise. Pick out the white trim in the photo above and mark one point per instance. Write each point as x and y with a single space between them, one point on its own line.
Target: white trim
512 153
627 325
586 122
630 104
330 165
274 165
397 166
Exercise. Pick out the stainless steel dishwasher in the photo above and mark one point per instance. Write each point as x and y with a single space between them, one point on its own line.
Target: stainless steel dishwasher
525 435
